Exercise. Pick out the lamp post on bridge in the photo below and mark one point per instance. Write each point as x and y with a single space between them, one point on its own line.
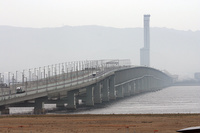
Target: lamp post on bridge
37 81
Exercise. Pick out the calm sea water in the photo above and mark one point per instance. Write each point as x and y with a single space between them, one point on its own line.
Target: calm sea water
175 99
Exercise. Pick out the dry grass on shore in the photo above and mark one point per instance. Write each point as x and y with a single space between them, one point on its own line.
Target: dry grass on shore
119 123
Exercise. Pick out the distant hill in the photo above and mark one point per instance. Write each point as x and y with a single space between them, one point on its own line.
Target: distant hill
174 50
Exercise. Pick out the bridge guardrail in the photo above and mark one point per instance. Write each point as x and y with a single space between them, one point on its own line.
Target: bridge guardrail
55 76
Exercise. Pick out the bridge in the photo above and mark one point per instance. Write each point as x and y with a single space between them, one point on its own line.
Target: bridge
82 82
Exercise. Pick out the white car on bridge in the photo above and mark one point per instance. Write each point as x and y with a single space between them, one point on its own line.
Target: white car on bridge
20 89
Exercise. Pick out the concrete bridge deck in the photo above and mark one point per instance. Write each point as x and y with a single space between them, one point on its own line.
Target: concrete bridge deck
90 84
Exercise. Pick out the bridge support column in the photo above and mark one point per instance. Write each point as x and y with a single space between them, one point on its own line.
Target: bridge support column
120 91
4 110
150 83
127 89
165 83
90 96
105 90
146 84
71 99
137 86
39 105
132 84
140 85
153 84
158 85
112 90
97 93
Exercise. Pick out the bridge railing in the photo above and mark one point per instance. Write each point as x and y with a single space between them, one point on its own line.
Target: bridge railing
69 73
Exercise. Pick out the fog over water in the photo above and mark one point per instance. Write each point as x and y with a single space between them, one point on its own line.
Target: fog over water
175 99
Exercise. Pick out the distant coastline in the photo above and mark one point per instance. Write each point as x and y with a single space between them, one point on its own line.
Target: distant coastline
187 83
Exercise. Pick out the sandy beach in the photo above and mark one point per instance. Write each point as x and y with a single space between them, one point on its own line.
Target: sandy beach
131 123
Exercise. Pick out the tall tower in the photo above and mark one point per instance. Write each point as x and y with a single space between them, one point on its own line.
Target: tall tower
145 51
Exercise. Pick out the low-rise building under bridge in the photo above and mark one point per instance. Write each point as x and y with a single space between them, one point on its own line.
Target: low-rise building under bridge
65 84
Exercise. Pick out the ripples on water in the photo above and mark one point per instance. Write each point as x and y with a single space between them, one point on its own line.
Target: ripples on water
175 99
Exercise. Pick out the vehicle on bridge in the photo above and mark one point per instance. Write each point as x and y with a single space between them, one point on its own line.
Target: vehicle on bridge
94 74
20 89
3 85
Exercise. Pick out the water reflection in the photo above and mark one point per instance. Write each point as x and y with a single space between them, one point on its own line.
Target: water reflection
176 99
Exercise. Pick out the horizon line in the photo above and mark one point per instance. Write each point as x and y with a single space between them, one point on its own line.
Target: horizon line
92 25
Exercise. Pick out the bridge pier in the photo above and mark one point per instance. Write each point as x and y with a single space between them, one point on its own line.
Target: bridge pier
4 110
150 83
105 90
127 90
97 93
90 96
120 91
154 86
140 85
71 99
146 84
132 85
137 86
112 91
158 86
39 105
143 84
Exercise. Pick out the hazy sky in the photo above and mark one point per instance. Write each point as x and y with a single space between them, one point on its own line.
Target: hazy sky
176 14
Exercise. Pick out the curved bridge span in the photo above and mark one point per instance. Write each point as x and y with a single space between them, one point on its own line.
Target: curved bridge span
92 83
